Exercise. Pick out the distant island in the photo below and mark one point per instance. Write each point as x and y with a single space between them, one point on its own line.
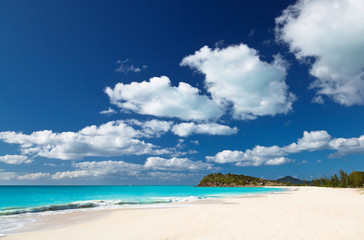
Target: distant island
355 179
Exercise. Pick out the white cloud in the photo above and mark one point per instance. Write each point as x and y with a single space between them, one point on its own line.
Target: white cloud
311 141
125 67
255 157
332 32
72 174
7 175
275 155
346 146
236 76
187 129
227 156
34 176
107 168
99 169
152 128
108 111
177 164
277 161
158 98
15 159
114 138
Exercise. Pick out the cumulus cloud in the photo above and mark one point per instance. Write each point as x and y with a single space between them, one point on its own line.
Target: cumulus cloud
114 138
236 76
187 129
15 159
346 146
178 164
252 157
311 141
158 97
330 31
275 155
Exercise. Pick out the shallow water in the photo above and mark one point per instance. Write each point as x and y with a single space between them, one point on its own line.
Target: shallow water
19 204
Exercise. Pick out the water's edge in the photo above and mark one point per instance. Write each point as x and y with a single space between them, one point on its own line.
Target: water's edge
15 218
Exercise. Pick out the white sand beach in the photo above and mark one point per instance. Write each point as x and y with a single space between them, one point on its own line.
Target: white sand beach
305 213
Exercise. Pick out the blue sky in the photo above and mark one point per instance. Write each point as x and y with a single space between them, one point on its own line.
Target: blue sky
164 92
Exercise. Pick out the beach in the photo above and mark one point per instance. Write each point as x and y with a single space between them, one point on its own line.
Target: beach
301 213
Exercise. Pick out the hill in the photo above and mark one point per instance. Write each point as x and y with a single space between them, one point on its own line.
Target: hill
234 180
292 180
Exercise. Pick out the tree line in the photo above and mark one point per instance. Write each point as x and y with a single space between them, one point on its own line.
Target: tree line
355 179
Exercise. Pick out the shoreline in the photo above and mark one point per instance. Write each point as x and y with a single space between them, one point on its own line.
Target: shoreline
307 213
30 220
54 219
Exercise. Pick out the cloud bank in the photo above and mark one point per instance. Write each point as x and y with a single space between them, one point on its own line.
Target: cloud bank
97 169
114 138
275 155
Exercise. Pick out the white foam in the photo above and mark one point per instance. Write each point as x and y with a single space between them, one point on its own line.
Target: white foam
9 223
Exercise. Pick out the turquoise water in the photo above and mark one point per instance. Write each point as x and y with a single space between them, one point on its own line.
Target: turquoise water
30 200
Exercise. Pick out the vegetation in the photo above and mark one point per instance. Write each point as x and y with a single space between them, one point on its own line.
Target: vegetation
234 180
355 179
294 181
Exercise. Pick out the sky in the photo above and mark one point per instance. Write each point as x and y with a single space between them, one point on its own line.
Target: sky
165 92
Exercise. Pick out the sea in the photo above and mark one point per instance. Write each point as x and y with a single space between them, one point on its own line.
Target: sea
20 205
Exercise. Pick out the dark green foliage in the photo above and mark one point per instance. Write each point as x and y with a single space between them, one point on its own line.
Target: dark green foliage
344 180
355 179
234 180
292 180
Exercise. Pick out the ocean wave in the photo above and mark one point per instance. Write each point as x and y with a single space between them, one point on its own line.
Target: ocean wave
21 210
92 204
12 217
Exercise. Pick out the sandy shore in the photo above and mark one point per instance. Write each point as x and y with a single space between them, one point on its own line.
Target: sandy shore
307 213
